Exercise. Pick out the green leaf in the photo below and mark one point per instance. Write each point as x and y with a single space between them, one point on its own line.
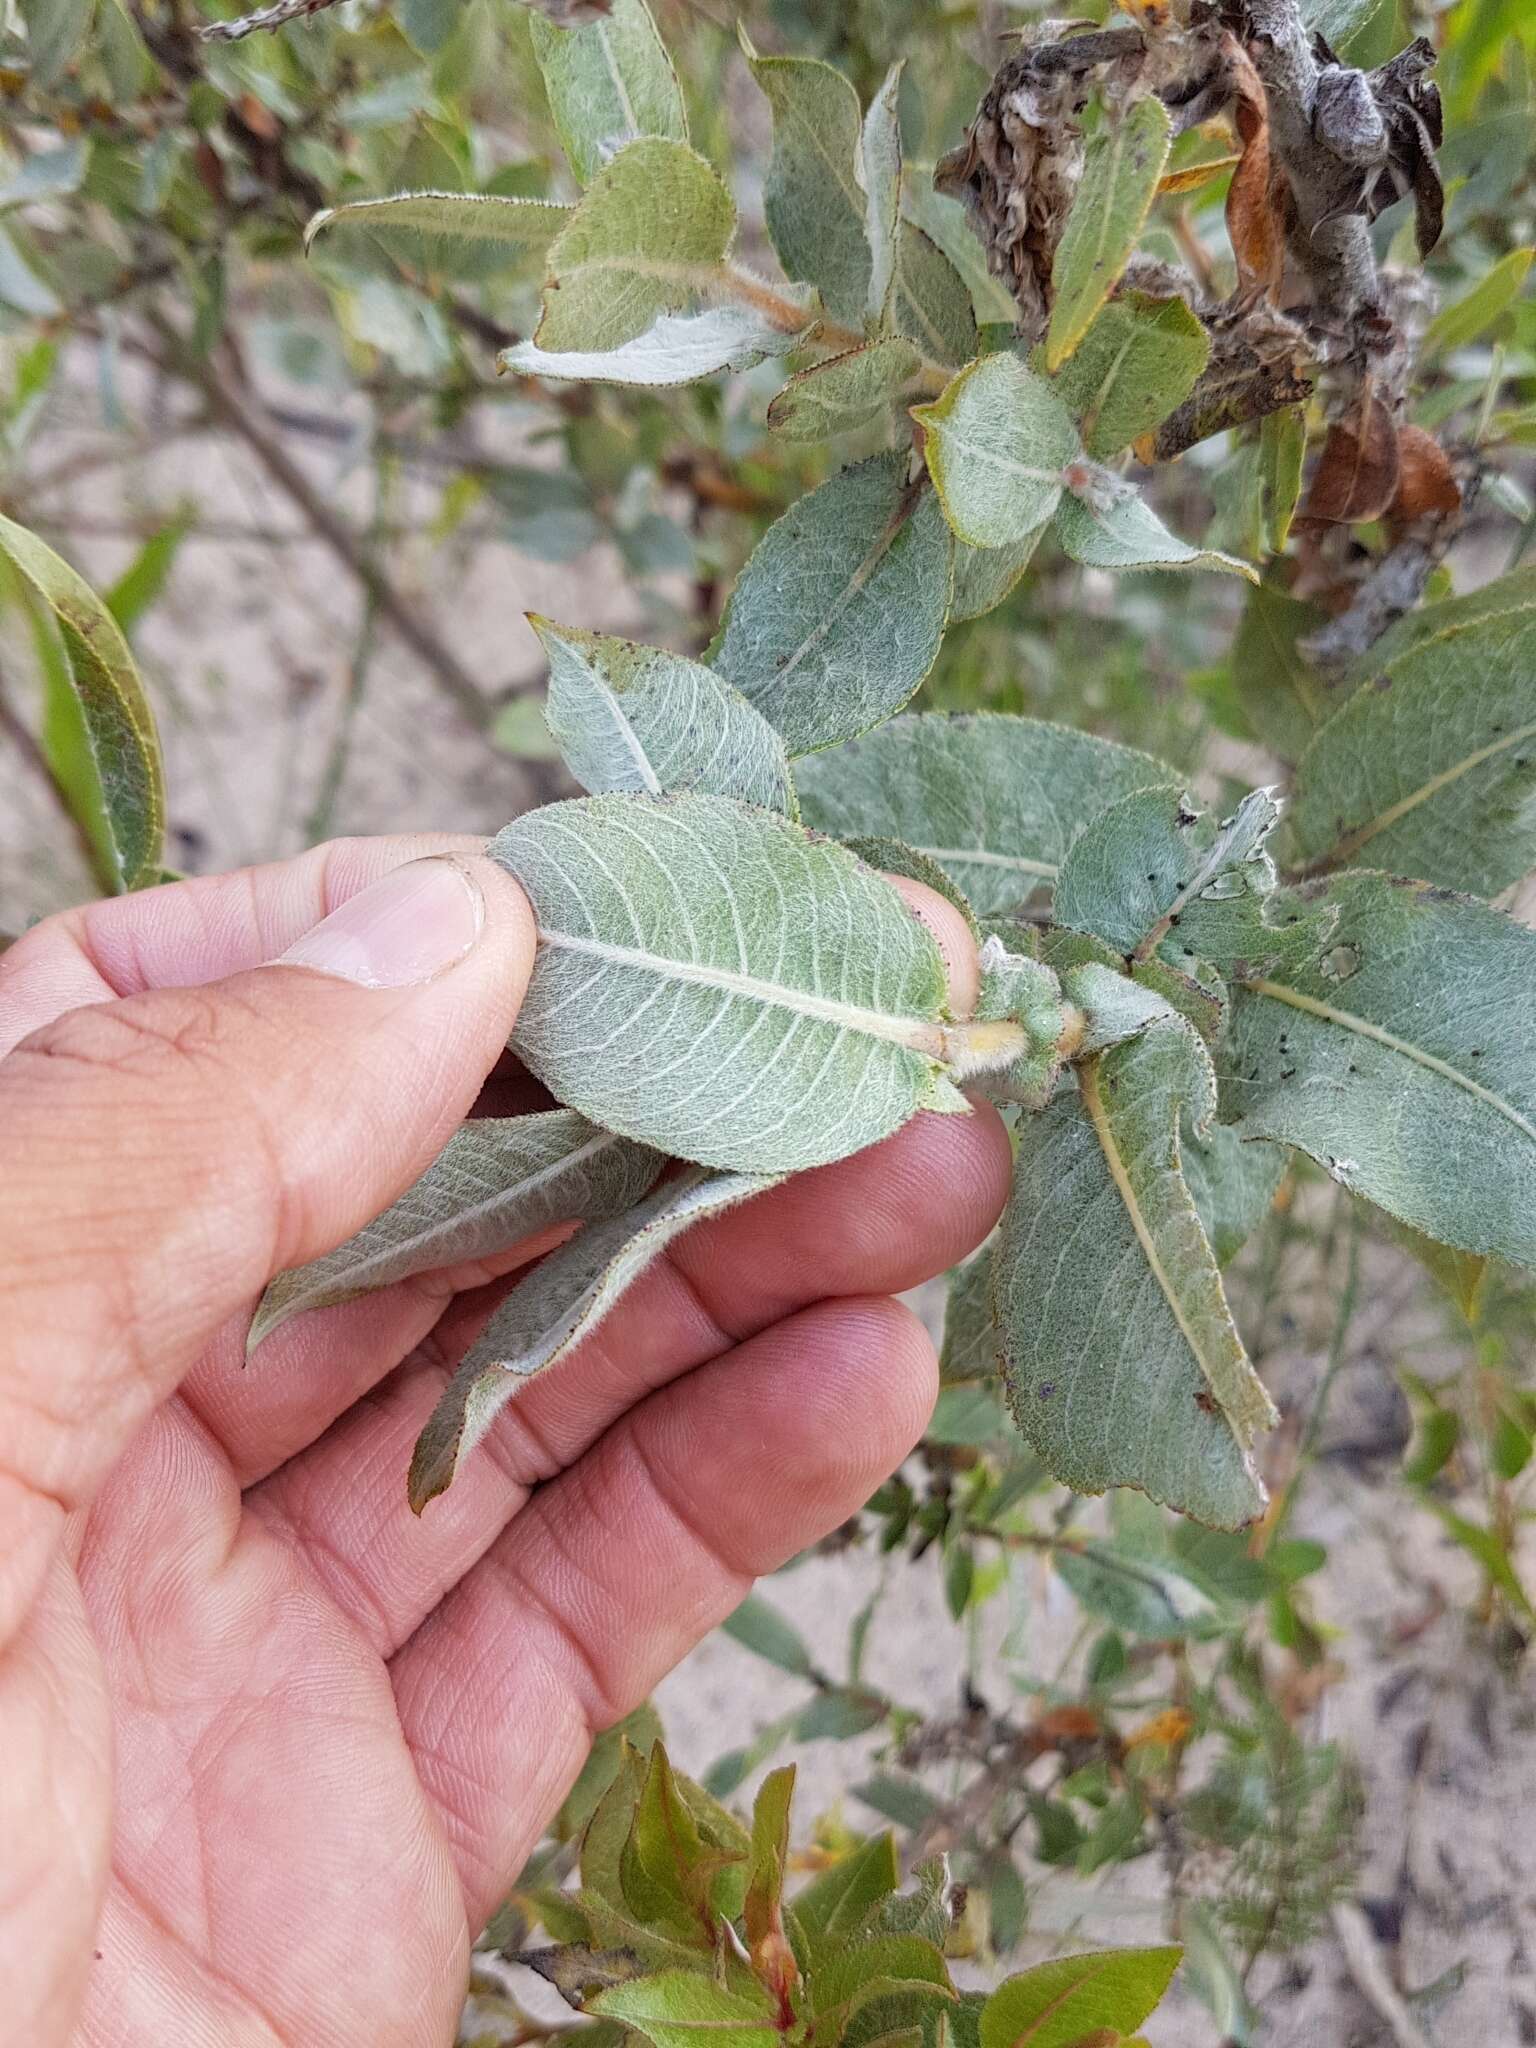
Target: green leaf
1152 869
608 1829
997 443
836 1904
1470 316
995 800
895 857
1282 456
607 84
844 393
560 1303
1402 1057
812 201
765 1632
1233 1184
712 980
461 235
1282 698
763 1908
1111 526
682 2009
142 583
932 306
677 348
970 1413
1140 1597
499 1179
945 223
838 616
971 1347
1121 1359
1124 161
648 237
1018 988
666 1869
1055 2004
627 717
56 33
1137 363
1430 767
1492 1554
986 577
99 735
879 172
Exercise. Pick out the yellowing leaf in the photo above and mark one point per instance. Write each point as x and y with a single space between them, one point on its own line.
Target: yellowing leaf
1120 177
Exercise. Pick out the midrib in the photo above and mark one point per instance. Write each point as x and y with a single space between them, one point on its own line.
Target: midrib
1363 834
1435 1065
1088 1087
847 594
916 1034
979 857
625 103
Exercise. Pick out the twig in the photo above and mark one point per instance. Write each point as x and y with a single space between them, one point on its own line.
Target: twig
276 16
232 410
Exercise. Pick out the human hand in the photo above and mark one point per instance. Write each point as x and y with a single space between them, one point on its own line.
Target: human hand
271 1749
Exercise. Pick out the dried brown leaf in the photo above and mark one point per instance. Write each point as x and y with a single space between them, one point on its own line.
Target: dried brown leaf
1255 220
1358 475
1426 482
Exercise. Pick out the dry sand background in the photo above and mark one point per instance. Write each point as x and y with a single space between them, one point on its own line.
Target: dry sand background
249 658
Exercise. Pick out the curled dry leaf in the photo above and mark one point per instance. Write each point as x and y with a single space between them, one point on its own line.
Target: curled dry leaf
1256 197
1426 483
1360 470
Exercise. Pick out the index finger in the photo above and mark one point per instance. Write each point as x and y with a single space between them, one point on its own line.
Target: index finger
188 933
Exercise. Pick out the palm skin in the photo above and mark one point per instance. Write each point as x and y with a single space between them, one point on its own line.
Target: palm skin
276 1748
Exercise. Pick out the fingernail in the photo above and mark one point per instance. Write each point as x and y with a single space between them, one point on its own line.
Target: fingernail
402 930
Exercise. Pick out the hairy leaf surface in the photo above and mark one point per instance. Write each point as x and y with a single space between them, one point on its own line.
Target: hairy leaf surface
996 801
608 83
932 306
1124 162
1430 767
844 393
879 172
498 1180
649 235
443 234
987 577
1402 1057
561 1302
1113 527
997 443
838 616
1121 1359
1233 1184
714 981
636 718
677 348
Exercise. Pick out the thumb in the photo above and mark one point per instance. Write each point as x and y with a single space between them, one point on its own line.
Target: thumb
162 1157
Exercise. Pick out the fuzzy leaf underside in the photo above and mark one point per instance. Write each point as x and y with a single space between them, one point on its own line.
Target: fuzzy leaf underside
996 801
712 980
1122 1362
1429 769
838 615
498 1180
1401 1055
560 1303
1121 531
677 348
608 83
640 719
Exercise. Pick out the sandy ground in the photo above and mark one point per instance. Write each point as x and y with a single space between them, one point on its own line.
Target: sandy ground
251 661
